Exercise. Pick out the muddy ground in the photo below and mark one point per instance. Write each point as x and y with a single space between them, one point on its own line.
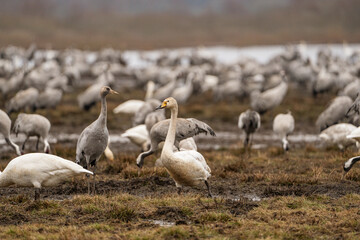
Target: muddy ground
255 192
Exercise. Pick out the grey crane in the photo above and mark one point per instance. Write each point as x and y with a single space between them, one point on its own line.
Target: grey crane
185 128
94 138
24 99
334 113
269 99
250 122
33 125
5 126
153 118
355 107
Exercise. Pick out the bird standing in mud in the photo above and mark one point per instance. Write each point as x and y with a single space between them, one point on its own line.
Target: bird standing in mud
94 138
185 128
33 125
250 122
39 170
187 168
283 125
5 126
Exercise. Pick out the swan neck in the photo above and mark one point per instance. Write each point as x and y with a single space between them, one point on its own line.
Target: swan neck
149 91
170 137
13 145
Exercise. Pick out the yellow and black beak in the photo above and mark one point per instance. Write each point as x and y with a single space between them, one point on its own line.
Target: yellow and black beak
163 105
113 92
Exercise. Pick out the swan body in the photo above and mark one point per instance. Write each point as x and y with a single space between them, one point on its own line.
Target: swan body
186 144
39 170
355 134
338 134
137 135
5 126
185 128
283 125
24 99
187 168
33 125
133 106
129 107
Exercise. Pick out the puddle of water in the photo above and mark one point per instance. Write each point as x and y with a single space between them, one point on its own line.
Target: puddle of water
162 223
252 197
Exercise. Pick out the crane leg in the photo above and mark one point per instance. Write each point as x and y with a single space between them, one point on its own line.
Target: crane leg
208 188
94 180
37 143
23 146
87 175
37 194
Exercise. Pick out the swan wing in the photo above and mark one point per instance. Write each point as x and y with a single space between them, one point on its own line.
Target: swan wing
193 156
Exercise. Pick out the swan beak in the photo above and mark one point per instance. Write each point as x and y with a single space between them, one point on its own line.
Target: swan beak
163 105
114 92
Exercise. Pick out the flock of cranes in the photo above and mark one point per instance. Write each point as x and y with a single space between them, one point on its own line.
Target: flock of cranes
33 78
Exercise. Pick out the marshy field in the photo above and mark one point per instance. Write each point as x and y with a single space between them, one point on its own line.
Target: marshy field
262 193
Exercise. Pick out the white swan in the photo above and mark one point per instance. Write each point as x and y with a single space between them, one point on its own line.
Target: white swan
355 134
338 134
187 168
133 106
5 125
33 125
138 135
39 170
283 125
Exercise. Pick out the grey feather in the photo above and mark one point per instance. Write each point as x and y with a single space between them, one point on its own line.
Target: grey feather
185 128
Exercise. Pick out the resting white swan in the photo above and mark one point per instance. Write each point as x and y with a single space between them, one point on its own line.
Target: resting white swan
355 134
338 134
133 106
138 135
39 170
187 168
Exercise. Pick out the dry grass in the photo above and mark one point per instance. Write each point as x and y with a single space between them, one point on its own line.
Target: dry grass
302 194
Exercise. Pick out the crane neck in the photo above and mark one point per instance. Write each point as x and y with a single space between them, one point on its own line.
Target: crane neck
103 112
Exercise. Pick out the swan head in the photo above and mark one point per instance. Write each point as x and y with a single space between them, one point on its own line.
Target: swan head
168 103
105 90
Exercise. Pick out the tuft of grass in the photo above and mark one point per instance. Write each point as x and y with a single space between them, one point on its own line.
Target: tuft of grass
122 213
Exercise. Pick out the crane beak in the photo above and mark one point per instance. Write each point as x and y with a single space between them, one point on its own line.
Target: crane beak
114 92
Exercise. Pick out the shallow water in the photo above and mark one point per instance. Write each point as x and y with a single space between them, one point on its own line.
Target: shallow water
231 55
222 140
163 223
